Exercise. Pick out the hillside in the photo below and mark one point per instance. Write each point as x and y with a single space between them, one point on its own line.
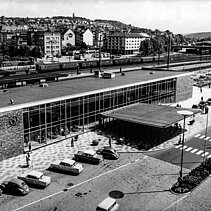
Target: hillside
198 35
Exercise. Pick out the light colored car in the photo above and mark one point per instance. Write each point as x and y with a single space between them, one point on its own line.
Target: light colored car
88 156
108 204
35 178
67 165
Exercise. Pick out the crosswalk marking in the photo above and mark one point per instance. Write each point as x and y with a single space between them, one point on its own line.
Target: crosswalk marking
184 147
199 152
178 146
197 135
188 149
194 150
201 137
207 138
205 154
209 156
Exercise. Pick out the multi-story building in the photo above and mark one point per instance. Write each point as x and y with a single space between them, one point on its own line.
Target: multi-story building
49 42
124 43
52 44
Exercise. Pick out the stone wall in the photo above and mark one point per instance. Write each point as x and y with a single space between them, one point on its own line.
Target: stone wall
184 88
11 134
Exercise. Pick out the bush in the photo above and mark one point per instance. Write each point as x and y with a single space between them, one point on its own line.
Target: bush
193 179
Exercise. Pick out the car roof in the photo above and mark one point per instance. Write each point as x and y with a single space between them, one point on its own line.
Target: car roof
17 181
106 203
68 160
91 152
35 173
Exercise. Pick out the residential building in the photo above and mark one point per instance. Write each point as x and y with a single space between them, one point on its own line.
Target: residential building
124 43
68 37
52 44
85 35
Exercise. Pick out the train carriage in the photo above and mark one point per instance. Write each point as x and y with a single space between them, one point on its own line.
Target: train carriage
86 64
69 65
120 61
106 62
135 60
48 67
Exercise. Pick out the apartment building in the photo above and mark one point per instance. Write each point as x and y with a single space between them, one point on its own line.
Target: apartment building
124 43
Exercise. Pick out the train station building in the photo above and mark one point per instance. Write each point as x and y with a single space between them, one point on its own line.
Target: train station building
42 115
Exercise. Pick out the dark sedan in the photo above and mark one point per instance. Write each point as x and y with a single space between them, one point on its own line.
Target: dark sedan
108 152
15 187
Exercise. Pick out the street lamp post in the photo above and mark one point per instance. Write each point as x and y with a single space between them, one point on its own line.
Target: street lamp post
205 139
184 113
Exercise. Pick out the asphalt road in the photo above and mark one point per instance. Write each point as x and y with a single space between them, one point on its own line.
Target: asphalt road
191 158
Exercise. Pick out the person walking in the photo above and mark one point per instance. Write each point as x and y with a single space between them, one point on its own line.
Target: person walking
72 142
109 139
30 147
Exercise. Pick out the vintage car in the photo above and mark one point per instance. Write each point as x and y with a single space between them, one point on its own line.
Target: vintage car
15 187
67 165
108 152
35 178
89 156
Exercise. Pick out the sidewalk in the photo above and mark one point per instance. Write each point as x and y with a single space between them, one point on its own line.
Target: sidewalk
43 157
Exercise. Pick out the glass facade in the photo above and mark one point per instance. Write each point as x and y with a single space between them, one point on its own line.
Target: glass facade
57 119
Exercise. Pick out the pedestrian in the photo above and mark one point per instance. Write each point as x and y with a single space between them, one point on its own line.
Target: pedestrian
206 110
30 147
202 98
28 160
72 142
201 89
109 141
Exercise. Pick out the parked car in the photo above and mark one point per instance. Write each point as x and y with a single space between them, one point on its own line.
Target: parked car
108 204
15 186
35 178
67 165
88 156
108 152
208 101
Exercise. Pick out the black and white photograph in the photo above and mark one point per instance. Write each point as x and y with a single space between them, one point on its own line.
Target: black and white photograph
105 105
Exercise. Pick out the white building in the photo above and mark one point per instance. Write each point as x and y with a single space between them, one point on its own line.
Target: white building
68 37
52 44
83 35
125 43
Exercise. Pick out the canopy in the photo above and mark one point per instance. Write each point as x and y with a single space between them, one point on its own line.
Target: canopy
149 114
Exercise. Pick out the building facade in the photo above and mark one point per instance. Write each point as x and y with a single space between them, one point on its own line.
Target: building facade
41 122
124 43
68 37
52 44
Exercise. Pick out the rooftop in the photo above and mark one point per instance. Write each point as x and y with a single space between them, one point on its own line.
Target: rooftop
35 95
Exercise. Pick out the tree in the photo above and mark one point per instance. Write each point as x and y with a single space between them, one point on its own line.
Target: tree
36 52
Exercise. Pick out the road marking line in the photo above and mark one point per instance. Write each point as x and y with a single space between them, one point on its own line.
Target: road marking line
209 156
207 138
201 137
185 147
194 150
188 149
199 152
176 202
54 194
196 136
178 146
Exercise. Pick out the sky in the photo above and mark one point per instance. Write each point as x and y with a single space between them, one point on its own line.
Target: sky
178 16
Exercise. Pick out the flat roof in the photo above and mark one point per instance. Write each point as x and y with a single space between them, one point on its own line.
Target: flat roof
34 95
149 114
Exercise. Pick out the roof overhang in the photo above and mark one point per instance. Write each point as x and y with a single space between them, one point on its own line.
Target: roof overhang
161 116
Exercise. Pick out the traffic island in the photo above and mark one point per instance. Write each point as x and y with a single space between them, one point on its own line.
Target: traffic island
193 179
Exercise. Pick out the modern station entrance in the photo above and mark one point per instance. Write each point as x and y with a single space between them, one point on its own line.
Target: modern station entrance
145 125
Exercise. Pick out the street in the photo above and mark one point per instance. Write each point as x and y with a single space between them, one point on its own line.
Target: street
193 151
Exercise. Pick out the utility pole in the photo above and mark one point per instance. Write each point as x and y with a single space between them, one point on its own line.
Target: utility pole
100 55
168 51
